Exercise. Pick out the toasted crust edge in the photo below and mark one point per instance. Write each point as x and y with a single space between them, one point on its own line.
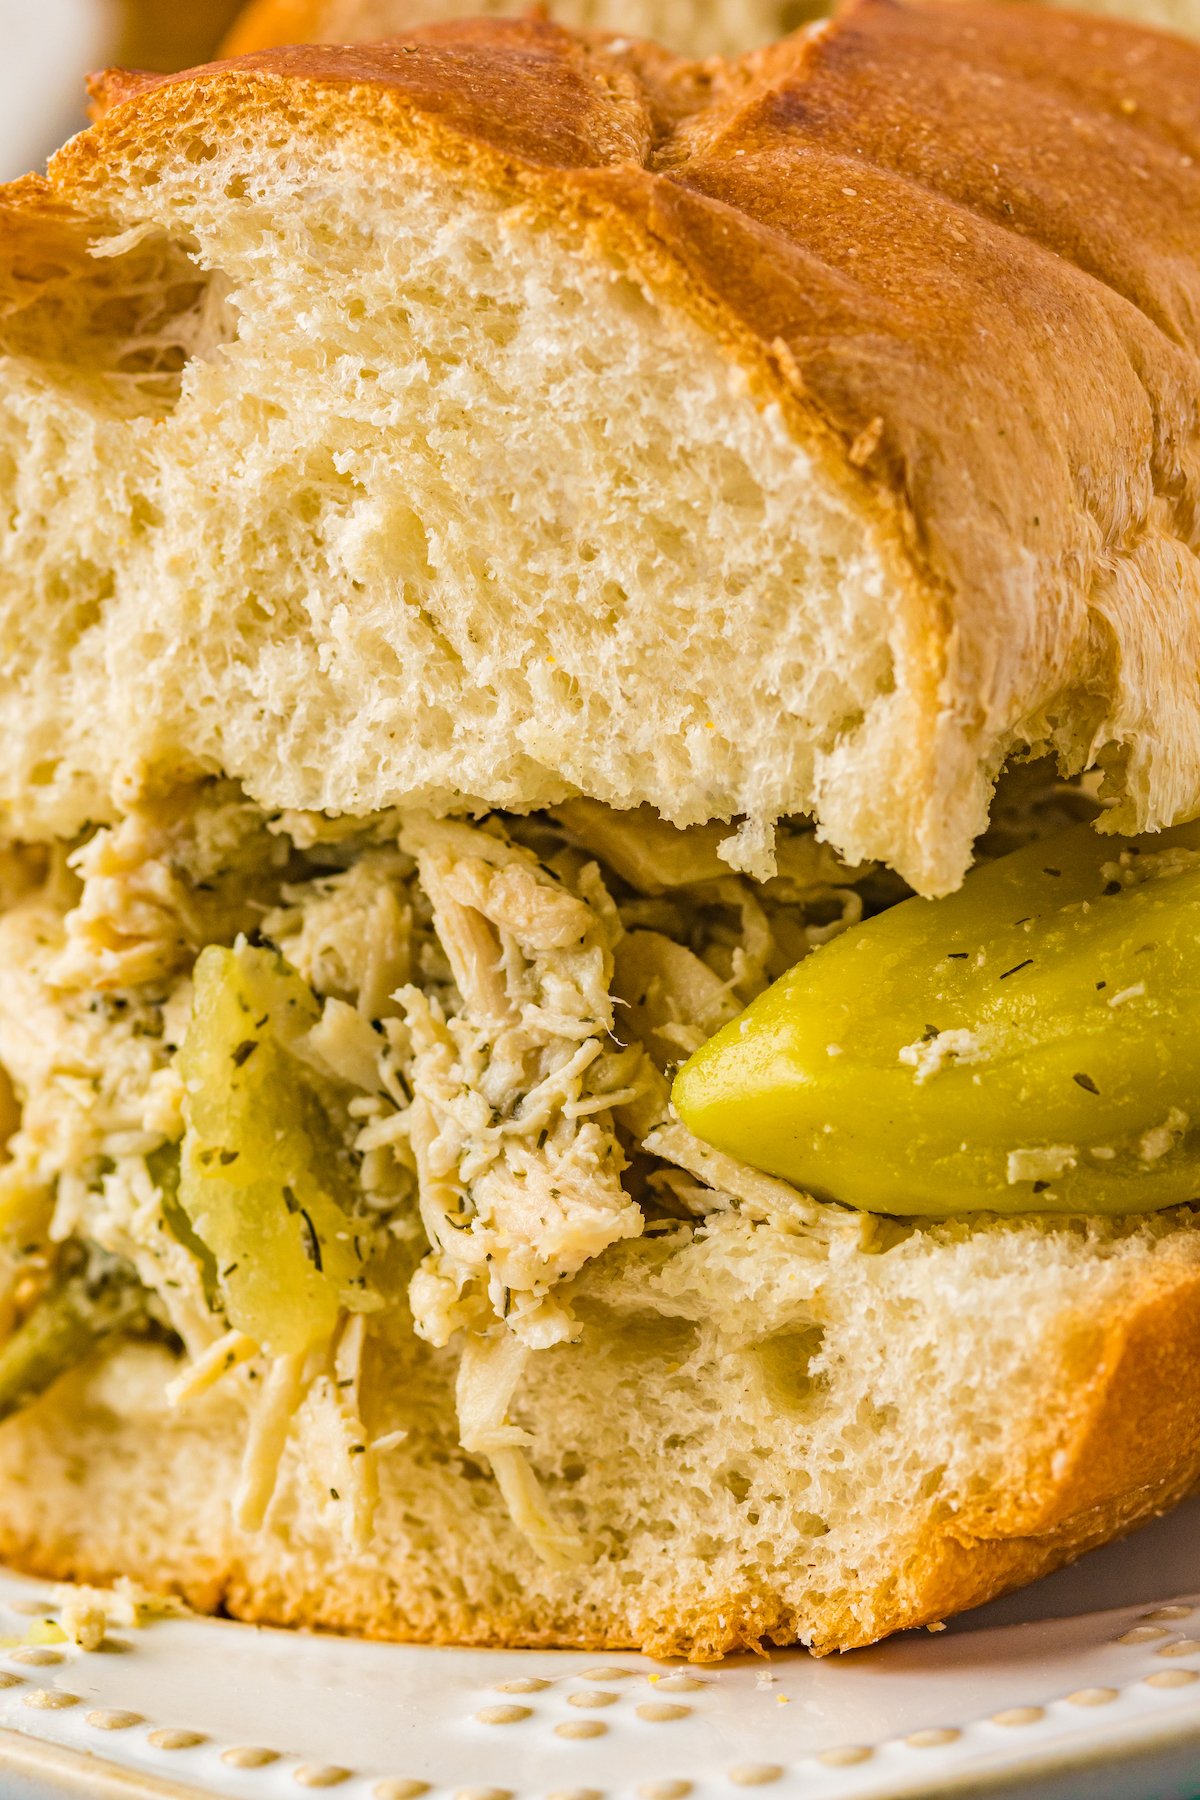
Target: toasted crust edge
1127 1450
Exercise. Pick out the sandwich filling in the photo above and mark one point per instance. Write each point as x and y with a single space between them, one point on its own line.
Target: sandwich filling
274 1083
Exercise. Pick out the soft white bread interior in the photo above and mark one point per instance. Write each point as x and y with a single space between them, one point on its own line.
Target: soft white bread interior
503 415
761 1435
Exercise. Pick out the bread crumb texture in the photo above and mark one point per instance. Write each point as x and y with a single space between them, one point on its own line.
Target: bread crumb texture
503 414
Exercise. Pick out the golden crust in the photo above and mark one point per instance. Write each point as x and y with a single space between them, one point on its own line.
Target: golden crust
89 1494
1126 1449
959 254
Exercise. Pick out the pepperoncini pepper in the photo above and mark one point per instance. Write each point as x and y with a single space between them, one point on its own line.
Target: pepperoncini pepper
1029 1044
264 1182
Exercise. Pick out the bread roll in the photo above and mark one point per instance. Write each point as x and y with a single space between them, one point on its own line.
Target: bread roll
754 441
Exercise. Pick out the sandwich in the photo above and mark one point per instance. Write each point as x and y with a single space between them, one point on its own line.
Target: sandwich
599 719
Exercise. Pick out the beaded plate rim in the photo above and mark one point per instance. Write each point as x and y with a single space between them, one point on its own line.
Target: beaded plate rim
94 1777
1146 1706
87 1773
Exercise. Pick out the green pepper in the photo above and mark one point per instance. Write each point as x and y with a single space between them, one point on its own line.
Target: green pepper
1030 1043
75 1313
265 1180
163 1165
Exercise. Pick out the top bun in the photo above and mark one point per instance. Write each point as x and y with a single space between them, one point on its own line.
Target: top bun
500 414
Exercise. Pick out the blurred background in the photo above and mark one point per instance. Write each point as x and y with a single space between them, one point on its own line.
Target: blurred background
50 45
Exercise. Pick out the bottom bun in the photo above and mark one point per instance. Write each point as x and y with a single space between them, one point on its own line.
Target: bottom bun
756 1442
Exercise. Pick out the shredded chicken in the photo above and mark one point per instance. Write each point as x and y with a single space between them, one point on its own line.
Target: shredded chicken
489 1373
165 881
511 1123
87 1069
229 1352
656 858
730 1181
266 1440
350 934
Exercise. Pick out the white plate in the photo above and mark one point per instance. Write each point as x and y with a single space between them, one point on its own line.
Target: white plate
1086 1687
